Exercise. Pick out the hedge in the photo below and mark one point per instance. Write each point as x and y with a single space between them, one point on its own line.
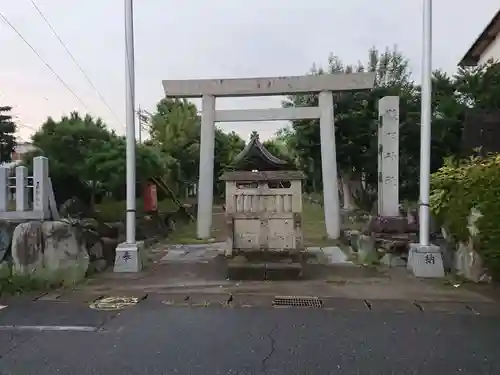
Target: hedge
458 188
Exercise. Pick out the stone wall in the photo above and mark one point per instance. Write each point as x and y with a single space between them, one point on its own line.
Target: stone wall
68 250
57 251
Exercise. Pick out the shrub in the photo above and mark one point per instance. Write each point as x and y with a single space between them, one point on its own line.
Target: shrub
457 188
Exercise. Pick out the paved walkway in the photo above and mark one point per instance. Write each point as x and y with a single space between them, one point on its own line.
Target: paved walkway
181 270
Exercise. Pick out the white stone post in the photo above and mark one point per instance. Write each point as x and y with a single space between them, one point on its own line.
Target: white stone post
40 186
206 179
380 185
388 108
21 189
329 165
4 189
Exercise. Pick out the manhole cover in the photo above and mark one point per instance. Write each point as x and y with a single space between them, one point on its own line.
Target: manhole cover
295 301
114 303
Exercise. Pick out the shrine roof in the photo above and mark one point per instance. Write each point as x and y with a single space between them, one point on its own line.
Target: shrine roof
259 148
262 176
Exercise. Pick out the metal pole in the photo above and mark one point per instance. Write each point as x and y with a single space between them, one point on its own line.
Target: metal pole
426 118
130 116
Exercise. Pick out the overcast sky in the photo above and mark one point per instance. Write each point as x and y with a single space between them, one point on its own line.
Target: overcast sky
207 39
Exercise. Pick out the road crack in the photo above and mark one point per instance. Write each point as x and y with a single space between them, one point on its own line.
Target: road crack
271 351
15 345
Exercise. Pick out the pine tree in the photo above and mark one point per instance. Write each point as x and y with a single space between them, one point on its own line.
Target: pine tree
7 134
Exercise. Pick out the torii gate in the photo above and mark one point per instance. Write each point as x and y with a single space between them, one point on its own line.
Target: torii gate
325 85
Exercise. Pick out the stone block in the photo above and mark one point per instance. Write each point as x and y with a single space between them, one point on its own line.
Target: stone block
335 255
426 261
128 257
392 260
283 271
367 251
389 224
65 256
237 270
27 249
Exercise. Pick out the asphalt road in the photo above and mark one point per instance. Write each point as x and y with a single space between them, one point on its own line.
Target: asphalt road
152 338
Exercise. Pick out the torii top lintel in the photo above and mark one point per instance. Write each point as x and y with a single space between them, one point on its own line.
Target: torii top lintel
237 87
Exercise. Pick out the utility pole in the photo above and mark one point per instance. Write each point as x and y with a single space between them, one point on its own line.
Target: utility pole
127 257
130 115
144 117
424 258
425 128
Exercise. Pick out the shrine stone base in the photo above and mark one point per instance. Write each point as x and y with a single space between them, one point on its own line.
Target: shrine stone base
425 261
272 271
128 257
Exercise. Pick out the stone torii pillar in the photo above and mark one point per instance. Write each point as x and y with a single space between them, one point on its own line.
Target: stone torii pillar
329 165
206 179
324 85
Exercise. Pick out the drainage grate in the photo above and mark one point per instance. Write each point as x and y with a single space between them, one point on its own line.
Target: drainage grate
295 301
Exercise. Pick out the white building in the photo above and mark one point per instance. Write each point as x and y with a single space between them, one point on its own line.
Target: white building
486 46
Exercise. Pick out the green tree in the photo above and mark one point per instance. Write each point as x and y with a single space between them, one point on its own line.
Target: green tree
106 166
175 130
7 134
356 115
278 147
68 143
87 160
479 87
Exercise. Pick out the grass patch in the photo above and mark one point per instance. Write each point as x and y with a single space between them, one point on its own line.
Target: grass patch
111 210
313 226
17 285
185 234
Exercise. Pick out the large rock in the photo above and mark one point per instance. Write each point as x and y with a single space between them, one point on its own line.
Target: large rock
74 208
93 244
65 255
27 249
89 223
111 230
109 249
469 264
6 232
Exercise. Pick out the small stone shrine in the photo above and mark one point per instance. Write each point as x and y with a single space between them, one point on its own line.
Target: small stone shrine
263 215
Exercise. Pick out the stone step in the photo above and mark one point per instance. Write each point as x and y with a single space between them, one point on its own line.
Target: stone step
264 271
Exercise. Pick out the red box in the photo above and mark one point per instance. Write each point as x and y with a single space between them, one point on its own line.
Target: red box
150 197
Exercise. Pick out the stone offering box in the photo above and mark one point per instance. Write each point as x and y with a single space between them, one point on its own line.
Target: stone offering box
264 212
